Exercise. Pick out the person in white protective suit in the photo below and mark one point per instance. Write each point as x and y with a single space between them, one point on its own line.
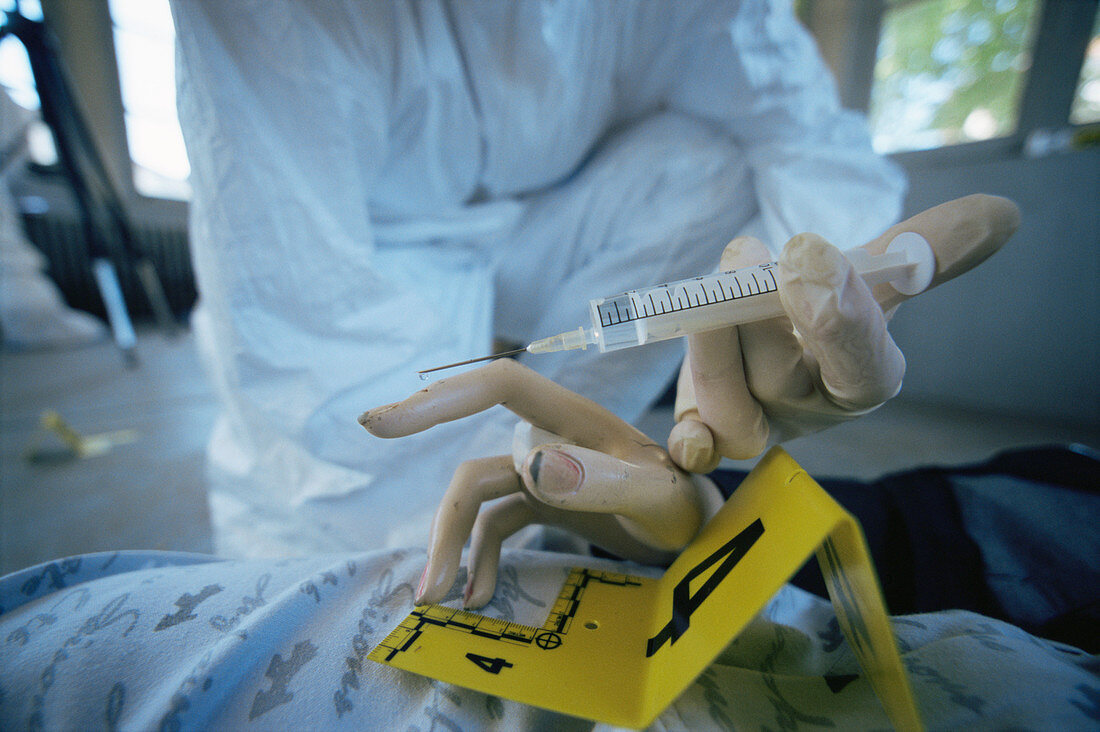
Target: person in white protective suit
384 187
33 313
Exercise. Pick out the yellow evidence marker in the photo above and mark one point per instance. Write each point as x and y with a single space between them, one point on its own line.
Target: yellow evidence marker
57 439
619 649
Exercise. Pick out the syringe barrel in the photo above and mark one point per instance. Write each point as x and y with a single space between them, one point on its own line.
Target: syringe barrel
740 296
689 306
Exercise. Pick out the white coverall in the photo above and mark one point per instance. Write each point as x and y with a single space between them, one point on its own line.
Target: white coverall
382 187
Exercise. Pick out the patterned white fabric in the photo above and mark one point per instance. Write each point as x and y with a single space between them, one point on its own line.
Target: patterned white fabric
153 640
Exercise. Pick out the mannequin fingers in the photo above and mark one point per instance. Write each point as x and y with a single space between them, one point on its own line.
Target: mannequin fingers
507 516
962 234
495 524
690 443
775 363
840 322
474 482
724 403
535 398
657 503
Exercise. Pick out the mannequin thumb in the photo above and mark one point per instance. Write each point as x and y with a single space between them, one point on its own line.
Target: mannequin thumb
580 479
554 473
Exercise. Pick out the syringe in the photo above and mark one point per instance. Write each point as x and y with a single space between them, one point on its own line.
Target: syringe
721 300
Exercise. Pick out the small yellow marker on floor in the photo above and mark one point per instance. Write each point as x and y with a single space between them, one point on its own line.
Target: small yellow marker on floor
52 427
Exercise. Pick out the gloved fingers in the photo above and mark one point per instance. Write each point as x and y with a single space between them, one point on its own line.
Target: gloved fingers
840 323
725 404
473 483
962 234
744 251
690 443
534 398
726 407
686 406
657 503
776 368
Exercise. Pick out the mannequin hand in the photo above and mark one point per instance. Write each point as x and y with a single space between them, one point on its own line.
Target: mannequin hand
575 465
831 358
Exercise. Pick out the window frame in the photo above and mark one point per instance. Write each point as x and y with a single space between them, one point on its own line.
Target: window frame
847 32
1063 31
84 32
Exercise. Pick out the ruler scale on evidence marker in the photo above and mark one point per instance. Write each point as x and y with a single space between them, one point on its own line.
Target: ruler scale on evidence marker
620 649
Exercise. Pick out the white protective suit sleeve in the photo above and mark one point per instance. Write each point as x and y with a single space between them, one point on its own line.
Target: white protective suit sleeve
756 72
366 174
305 314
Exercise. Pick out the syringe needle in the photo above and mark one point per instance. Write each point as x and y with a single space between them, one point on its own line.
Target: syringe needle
423 374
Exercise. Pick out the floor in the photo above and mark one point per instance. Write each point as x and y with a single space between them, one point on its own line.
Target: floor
144 494
146 491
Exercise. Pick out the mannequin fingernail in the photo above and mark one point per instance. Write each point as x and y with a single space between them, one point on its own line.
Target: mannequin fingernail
468 591
367 417
556 473
693 450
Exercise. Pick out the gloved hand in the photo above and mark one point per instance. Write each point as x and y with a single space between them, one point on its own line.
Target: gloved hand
575 465
831 358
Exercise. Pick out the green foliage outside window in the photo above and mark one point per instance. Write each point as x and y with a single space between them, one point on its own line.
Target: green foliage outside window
950 71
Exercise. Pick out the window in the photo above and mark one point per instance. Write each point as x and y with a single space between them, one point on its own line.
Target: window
950 71
18 83
15 67
144 45
1086 102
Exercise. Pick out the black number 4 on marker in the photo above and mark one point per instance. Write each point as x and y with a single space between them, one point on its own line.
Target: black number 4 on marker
684 603
492 665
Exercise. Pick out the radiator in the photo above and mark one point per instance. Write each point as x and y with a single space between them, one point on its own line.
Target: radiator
61 240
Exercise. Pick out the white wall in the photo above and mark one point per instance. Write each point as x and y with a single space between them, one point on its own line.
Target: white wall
1021 333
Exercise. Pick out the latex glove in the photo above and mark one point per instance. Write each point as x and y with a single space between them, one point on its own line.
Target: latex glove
581 468
831 358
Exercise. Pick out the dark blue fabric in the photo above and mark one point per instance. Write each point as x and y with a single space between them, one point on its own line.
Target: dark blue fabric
1016 538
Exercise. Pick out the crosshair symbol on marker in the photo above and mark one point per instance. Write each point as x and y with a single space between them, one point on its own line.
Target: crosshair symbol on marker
547 640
